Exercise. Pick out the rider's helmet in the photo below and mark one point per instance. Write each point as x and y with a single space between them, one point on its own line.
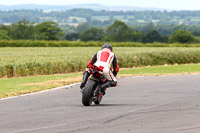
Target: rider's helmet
107 45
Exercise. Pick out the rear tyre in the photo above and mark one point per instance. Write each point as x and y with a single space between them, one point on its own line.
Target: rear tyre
88 93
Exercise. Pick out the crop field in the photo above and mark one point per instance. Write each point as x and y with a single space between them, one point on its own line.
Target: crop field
15 62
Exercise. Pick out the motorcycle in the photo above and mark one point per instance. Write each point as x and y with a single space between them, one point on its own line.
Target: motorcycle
92 91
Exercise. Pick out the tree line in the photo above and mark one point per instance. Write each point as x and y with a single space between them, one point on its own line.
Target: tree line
131 17
120 32
25 30
117 32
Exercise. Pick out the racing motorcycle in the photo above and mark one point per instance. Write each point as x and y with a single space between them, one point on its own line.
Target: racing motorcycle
92 91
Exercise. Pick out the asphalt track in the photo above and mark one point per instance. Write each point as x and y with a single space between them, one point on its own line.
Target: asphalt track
154 104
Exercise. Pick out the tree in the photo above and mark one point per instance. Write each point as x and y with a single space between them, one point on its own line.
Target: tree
164 39
135 36
72 36
117 32
148 27
6 28
4 35
22 30
152 36
181 36
48 31
82 27
196 33
92 34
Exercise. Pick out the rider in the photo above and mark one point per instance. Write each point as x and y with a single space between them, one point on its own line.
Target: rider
103 60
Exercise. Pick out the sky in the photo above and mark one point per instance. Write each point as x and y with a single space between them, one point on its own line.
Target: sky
166 4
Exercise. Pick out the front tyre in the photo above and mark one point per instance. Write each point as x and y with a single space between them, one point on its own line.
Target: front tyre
88 93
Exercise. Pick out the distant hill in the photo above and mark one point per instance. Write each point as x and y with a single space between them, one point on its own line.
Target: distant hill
68 7
76 16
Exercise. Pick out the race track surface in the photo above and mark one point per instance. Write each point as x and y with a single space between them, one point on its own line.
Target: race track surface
154 104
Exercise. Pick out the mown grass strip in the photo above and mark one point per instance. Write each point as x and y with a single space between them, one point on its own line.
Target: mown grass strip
18 86
166 69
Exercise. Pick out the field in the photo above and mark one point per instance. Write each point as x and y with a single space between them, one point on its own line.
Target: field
17 62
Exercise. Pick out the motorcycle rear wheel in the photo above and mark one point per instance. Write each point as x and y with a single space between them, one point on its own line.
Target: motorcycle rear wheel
88 93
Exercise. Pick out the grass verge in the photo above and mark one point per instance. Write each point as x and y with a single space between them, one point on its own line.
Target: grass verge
23 85
17 86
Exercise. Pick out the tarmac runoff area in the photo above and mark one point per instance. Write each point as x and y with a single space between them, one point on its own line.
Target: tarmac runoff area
146 104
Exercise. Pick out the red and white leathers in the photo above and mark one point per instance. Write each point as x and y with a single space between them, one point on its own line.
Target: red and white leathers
103 60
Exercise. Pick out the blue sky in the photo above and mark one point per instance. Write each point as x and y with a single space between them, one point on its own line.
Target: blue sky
167 4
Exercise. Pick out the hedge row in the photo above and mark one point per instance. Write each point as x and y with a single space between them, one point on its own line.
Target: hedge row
30 43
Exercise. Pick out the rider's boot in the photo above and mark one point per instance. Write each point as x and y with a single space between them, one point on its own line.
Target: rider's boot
106 85
86 74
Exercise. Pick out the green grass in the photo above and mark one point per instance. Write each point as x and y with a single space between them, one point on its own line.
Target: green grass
188 68
17 86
